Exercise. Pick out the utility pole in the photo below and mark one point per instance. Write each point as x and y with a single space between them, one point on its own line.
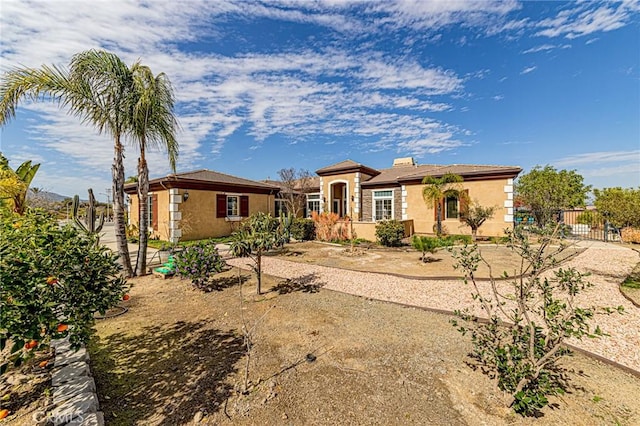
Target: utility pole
108 194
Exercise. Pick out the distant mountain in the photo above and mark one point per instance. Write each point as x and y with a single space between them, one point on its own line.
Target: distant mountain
46 196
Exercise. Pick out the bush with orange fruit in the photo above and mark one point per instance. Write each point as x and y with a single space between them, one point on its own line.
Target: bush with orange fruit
52 281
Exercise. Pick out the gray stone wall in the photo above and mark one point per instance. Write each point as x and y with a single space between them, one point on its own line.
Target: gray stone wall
367 199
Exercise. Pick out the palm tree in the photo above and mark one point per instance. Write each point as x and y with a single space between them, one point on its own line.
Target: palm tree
98 89
154 125
448 185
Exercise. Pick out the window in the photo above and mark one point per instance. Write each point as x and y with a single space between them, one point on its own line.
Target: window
313 204
281 207
382 205
232 206
150 210
451 208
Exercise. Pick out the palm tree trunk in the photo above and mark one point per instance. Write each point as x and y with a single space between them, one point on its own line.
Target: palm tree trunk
439 225
118 208
143 193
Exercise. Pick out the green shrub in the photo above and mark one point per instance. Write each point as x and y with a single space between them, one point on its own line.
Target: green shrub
198 262
303 229
450 240
390 232
51 276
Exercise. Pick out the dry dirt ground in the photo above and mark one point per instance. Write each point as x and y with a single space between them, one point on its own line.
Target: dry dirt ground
318 357
404 260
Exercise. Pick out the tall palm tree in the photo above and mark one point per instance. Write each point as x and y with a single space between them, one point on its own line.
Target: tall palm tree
154 126
98 89
448 185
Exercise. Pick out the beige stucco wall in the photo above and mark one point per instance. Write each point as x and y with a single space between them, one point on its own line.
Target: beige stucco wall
496 192
326 184
198 214
367 230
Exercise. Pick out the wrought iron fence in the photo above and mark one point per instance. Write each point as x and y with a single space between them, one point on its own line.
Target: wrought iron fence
580 224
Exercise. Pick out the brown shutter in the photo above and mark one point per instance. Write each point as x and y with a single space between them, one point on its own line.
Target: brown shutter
464 205
154 210
221 205
244 205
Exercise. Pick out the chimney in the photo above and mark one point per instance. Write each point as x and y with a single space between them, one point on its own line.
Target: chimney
404 161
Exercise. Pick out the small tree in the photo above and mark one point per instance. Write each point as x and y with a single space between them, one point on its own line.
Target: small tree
295 186
475 215
546 191
52 281
620 206
428 245
436 189
257 235
530 318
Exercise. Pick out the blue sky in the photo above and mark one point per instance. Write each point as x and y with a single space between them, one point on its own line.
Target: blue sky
266 85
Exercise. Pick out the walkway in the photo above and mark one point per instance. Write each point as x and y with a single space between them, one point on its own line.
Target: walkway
608 264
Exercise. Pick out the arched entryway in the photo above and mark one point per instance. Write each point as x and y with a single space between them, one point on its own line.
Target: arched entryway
338 198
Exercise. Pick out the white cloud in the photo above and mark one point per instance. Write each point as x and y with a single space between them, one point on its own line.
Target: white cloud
585 18
546 48
528 69
606 168
592 158
498 97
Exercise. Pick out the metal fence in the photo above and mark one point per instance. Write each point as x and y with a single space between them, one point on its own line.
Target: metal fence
579 224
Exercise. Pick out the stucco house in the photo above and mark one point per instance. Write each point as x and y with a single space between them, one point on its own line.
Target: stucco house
205 203
368 195
200 204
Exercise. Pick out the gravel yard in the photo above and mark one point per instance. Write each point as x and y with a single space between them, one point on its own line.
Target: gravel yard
608 265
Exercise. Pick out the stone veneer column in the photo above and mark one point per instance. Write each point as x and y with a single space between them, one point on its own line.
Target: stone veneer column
403 189
356 196
175 215
508 203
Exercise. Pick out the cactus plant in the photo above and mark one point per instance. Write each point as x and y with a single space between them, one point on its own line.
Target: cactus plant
92 224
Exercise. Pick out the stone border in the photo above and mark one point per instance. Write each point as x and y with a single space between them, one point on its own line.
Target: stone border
75 402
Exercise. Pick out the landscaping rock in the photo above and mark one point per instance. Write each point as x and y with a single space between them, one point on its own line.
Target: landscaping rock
68 357
69 372
75 409
77 386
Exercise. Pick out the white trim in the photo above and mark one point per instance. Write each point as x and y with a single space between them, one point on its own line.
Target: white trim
321 195
405 204
175 216
508 189
373 202
346 195
508 203
508 218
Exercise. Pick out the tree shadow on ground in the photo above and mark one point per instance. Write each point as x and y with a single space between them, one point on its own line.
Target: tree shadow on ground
221 283
164 372
309 283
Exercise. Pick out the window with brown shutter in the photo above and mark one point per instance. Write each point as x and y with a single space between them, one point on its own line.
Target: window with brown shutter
154 212
221 205
244 206
464 205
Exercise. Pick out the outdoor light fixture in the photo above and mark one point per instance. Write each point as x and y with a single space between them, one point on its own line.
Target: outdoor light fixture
185 196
